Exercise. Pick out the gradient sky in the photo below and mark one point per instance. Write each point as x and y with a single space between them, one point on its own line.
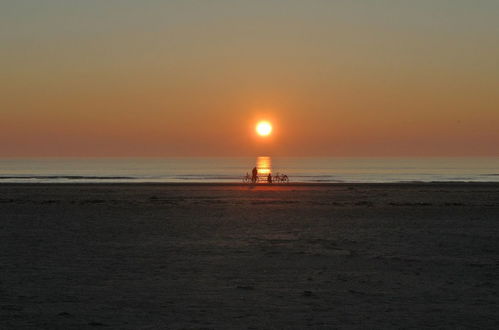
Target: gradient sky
191 78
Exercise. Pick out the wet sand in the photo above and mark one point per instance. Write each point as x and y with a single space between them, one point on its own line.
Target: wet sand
146 256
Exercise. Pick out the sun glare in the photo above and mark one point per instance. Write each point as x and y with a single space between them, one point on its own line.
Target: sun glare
263 128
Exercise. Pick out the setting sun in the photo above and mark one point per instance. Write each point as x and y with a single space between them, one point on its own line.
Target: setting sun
264 128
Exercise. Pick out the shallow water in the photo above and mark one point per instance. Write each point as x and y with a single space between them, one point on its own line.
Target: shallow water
220 169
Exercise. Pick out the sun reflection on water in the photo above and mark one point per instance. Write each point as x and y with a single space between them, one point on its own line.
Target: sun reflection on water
264 165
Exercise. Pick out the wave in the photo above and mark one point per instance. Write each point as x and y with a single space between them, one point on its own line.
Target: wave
326 180
224 178
69 177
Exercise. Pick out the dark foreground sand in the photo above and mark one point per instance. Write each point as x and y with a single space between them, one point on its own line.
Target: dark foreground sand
226 256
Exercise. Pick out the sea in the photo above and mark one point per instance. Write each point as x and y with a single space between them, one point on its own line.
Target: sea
233 169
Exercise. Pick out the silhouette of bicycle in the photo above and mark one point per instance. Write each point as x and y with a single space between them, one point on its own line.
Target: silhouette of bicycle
248 179
278 178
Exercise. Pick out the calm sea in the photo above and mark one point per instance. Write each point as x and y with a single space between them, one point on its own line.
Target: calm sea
233 169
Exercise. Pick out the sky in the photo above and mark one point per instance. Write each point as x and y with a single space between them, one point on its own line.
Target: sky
192 78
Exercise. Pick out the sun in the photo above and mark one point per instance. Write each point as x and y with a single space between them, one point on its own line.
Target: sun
264 128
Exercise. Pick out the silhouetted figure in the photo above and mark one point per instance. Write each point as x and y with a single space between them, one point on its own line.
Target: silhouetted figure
254 176
269 178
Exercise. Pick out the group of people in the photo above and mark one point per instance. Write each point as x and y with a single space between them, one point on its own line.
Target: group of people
254 176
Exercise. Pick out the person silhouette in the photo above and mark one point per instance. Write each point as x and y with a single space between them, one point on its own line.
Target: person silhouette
254 175
269 178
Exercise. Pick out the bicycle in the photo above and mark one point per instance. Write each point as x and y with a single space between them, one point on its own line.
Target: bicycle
281 178
247 179
278 178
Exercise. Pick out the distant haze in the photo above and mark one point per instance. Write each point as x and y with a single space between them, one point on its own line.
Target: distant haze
192 78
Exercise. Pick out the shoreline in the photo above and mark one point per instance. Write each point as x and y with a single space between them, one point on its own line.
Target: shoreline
236 184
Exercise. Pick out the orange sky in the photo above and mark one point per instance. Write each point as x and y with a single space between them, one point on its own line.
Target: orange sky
188 78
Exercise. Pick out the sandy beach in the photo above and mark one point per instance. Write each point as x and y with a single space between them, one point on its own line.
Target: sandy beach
194 256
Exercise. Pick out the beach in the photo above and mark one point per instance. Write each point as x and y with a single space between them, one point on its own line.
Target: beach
226 256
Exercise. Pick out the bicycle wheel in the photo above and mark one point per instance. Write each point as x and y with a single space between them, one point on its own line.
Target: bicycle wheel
285 179
246 180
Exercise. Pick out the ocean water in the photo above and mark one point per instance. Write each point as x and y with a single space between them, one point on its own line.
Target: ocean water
233 169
